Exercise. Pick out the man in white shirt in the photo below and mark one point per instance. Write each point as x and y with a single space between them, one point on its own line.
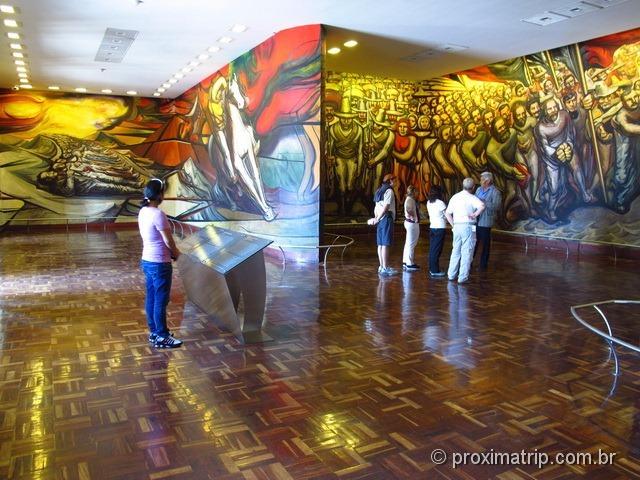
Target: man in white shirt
385 215
463 210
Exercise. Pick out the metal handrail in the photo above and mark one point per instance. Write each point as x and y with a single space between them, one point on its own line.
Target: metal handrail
607 336
55 220
566 241
344 246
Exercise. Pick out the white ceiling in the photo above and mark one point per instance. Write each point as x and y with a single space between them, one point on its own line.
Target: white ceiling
61 37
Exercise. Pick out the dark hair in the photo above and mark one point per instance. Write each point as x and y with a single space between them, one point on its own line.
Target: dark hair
569 96
152 191
516 105
435 193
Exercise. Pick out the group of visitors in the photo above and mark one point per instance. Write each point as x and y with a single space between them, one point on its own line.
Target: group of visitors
470 215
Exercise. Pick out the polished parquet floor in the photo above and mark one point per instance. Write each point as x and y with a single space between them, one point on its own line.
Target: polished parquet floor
365 377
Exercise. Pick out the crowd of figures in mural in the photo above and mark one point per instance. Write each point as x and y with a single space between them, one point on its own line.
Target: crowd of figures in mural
559 130
240 146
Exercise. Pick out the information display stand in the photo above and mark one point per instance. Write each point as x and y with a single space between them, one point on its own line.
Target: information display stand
220 267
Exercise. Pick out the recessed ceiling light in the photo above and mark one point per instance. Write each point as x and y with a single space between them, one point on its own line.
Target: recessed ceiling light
17 54
604 3
173 80
54 87
21 69
186 69
10 22
81 89
179 75
203 56
13 35
131 92
26 85
160 89
156 94
333 51
194 64
106 90
546 18
19 62
225 39
213 49
166 85
23 75
575 10
15 46
7 9
24 80
238 28
350 43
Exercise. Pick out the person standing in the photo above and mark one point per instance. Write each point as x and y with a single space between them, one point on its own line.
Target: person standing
412 226
158 250
385 214
463 210
437 230
492 199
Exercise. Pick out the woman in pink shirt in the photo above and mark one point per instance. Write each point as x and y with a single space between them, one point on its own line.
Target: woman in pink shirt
157 252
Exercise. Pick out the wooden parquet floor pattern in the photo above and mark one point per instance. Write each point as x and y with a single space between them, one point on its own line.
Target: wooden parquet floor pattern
366 376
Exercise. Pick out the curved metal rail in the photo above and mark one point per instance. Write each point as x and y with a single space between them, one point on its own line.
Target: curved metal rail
349 241
607 336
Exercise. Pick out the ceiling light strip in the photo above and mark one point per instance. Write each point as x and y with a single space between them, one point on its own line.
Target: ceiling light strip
19 58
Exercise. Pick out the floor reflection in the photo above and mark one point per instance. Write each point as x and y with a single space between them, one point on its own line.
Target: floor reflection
364 377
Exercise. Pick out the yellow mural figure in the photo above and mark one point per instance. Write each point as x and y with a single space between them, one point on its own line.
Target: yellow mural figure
78 117
626 64
345 151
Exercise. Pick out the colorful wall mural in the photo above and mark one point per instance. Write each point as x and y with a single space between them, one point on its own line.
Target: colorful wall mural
240 148
559 130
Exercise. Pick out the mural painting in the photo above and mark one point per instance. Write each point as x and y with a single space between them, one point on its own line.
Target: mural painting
240 148
559 130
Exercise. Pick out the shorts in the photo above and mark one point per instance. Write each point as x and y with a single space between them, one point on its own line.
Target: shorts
384 231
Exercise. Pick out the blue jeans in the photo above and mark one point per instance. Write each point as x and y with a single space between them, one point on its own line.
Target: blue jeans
436 242
158 285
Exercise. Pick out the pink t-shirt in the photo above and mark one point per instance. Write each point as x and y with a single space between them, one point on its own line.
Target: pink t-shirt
150 221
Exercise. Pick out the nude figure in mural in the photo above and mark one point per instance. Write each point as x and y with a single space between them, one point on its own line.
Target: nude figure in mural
510 175
527 152
233 148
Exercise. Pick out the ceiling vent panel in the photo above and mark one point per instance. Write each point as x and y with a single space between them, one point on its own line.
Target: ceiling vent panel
115 44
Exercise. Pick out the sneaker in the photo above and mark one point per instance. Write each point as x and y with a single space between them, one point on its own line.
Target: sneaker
463 280
413 267
404 266
167 342
437 274
451 279
390 271
154 336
